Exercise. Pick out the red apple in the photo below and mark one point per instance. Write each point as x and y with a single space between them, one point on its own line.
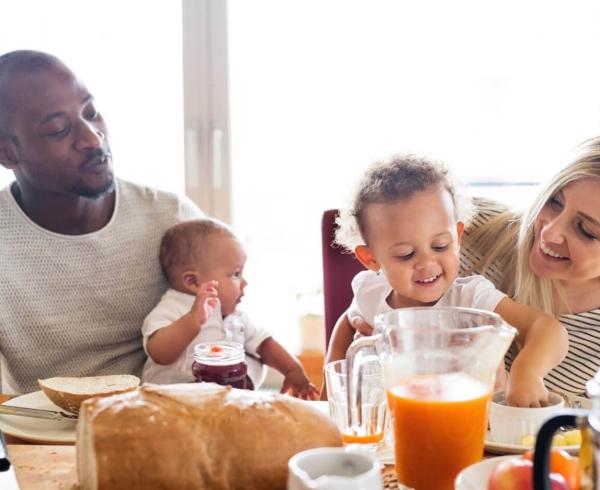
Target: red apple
517 474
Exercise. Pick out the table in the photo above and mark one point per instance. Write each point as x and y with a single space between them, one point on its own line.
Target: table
53 467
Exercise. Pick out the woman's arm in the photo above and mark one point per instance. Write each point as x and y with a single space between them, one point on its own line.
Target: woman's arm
543 345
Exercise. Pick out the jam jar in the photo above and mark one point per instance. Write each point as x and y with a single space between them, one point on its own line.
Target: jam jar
221 362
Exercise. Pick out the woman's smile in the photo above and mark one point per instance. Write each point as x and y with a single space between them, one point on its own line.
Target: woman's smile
547 251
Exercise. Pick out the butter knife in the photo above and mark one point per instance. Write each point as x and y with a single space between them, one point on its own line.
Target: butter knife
36 413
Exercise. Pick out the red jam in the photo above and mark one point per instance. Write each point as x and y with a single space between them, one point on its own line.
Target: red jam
221 363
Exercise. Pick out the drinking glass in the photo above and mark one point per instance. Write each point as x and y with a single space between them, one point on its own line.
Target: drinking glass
371 408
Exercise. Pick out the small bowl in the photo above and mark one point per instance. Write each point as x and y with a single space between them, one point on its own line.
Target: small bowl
508 425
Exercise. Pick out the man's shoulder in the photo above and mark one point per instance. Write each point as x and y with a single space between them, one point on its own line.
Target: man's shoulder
132 191
132 194
6 198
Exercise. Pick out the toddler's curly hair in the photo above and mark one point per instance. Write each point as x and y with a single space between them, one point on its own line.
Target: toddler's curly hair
390 181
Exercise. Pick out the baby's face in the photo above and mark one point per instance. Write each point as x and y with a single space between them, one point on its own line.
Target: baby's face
415 242
224 262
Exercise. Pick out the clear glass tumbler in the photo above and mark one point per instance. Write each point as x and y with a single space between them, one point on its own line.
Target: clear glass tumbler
371 409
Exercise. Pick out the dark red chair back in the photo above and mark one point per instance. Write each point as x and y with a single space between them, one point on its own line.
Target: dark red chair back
339 267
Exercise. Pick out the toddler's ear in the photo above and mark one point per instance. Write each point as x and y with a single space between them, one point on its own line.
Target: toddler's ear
190 281
365 257
460 227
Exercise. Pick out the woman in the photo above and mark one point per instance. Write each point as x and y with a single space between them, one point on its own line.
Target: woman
548 258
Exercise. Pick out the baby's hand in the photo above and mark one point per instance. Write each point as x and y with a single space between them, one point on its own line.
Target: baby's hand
296 383
205 302
526 390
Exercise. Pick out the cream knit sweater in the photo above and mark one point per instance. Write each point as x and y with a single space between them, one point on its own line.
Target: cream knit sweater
74 305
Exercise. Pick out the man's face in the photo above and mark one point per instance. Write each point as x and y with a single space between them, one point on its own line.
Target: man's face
63 146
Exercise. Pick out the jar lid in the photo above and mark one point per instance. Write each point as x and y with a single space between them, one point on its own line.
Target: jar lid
219 353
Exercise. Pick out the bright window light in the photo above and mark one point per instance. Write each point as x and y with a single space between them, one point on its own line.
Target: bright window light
501 91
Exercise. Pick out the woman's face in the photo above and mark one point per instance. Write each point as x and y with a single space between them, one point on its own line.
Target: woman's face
567 234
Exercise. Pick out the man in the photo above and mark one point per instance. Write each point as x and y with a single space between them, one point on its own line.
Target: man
78 248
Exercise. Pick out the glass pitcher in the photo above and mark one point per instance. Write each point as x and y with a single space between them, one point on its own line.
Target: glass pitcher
439 367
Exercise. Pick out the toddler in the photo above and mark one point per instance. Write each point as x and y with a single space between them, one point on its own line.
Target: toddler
405 226
204 262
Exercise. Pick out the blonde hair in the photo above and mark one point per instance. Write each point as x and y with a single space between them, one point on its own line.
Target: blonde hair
390 181
500 235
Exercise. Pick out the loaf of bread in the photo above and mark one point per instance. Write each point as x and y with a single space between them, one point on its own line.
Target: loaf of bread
195 436
68 393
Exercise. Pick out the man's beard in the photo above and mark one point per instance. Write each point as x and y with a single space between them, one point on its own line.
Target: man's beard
84 190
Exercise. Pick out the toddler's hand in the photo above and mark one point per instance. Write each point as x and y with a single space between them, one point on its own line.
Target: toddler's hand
361 326
296 383
205 302
526 390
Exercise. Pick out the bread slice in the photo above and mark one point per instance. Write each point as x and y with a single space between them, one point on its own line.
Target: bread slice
68 393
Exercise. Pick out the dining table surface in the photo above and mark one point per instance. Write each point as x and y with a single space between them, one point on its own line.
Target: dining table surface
47 466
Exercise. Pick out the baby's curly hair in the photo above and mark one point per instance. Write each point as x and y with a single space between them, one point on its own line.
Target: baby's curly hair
394 180
182 244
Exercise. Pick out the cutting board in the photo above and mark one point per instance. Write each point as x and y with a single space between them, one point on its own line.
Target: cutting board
44 467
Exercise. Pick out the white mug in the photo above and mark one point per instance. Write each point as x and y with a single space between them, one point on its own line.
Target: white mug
333 468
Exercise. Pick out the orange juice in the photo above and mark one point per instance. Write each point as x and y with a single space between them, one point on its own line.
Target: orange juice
362 439
439 426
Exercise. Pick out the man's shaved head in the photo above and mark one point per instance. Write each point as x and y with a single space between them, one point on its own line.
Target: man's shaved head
17 62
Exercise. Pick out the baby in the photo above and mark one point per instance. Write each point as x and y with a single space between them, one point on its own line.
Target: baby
405 226
204 262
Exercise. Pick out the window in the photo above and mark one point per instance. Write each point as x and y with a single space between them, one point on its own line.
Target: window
501 91
129 55
287 102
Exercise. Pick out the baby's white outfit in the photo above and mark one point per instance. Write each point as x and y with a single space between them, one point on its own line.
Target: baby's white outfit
371 291
172 306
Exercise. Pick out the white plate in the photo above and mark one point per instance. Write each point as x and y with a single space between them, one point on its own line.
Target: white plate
501 448
476 476
37 430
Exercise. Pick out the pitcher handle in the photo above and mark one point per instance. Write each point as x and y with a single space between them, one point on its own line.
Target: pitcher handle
354 378
543 443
